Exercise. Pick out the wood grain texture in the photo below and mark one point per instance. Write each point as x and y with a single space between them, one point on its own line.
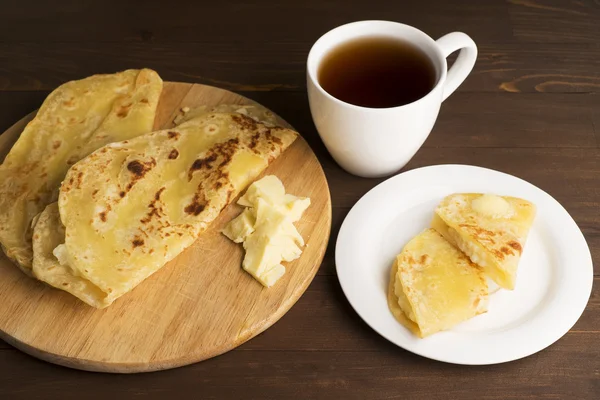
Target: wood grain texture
199 305
279 65
242 24
529 108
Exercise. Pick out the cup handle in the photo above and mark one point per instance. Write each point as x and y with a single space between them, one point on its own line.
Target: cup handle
465 62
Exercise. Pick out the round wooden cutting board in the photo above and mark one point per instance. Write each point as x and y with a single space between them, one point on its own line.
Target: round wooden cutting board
199 305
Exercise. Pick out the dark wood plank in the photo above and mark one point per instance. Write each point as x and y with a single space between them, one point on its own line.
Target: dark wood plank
552 21
531 67
241 24
16 105
389 373
280 64
502 119
470 120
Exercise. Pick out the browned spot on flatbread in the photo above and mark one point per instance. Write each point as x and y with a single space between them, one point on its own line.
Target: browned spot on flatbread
124 110
145 101
173 154
480 233
499 255
423 259
410 259
273 139
198 203
102 216
221 151
254 141
506 250
122 194
173 135
477 229
155 210
94 192
244 121
137 241
516 245
56 144
139 168
79 178
201 163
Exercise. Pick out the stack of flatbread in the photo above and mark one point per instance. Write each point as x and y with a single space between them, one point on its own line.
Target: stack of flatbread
441 276
93 202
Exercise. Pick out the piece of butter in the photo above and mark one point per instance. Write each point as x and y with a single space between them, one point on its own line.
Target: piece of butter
296 206
273 239
267 229
492 206
269 189
269 278
266 213
240 227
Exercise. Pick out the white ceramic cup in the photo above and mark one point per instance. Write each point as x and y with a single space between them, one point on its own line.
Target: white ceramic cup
374 142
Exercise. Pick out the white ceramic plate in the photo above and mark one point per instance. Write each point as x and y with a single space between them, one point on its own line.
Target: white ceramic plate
554 279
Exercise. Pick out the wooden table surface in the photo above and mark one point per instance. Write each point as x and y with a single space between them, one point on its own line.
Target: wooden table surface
530 108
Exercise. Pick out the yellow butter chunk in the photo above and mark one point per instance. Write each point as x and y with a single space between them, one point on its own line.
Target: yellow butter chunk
269 278
267 214
273 240
239 228
296 206
269 189
492 206
267 229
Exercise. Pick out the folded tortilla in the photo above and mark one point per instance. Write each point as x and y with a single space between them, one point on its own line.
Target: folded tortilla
74 120
491 230
433 286
132 206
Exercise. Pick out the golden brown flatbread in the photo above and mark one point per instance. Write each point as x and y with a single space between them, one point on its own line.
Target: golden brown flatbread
433 286
132 206
491 230
74 120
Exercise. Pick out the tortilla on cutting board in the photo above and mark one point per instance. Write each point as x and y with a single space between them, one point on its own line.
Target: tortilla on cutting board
132 206
75 119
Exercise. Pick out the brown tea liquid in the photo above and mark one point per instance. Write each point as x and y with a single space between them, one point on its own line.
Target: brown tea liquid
377 72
